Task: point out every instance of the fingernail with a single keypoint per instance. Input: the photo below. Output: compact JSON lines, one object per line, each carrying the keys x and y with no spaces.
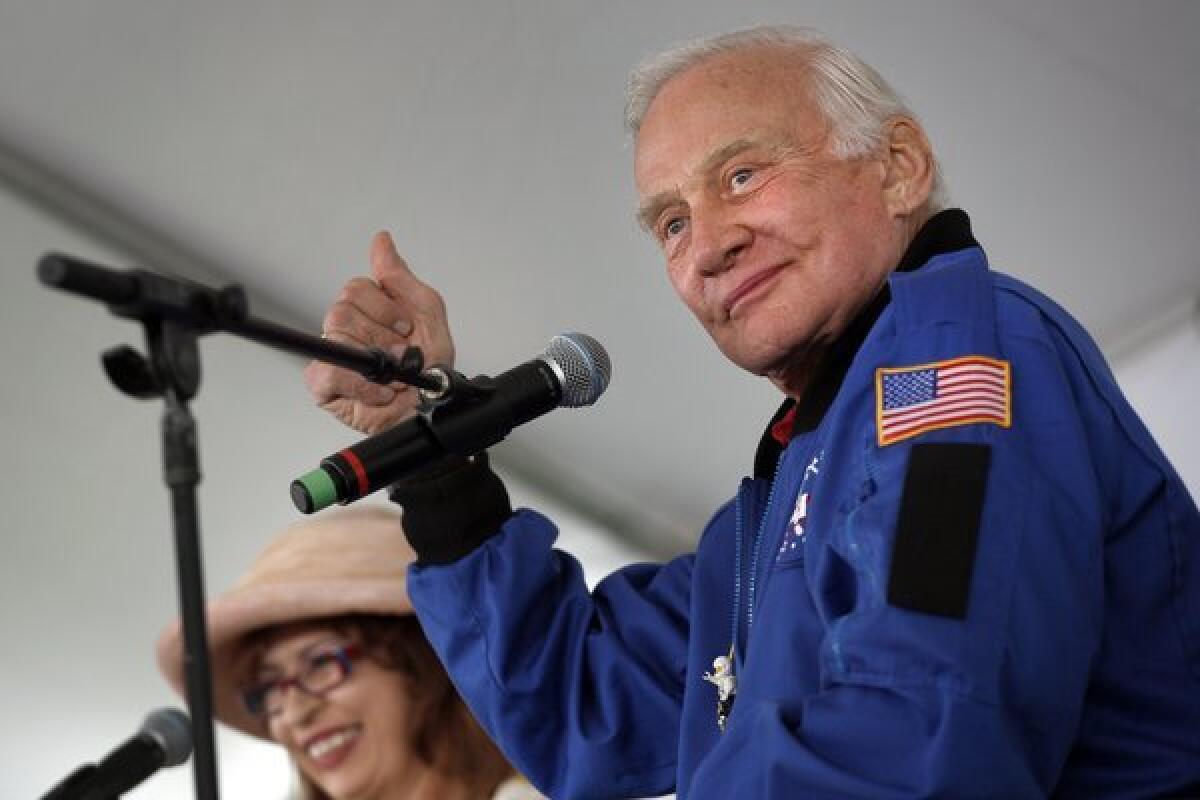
{"x":403,"y":327}
{"x":382,"y":395}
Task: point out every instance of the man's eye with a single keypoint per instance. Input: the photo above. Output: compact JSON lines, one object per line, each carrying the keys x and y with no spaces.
{"x":740,"y":177}
{"x":673,"y":227}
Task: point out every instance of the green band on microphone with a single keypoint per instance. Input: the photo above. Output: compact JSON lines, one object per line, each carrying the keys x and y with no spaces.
{"x":314,"y":491}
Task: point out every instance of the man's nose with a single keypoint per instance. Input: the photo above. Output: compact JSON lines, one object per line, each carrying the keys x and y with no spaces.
{"x":717,"y":238}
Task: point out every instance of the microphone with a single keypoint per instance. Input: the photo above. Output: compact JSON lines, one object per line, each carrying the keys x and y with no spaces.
{"x":164,"y":740}
{"x":573,"y":371}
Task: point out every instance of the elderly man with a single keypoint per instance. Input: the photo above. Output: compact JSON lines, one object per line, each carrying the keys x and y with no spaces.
{"x":962,"y":568}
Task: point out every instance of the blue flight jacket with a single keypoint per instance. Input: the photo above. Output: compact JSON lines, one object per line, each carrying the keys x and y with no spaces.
{"x":1072,"y":670}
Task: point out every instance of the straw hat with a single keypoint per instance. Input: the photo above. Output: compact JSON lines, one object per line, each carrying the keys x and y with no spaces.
{"x":346,"y":561}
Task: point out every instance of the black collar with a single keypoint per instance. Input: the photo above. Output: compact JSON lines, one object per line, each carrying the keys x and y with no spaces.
{"x":945,"y":232}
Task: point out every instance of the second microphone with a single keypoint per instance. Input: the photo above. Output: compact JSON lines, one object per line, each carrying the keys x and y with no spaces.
{"x":574,"y":371}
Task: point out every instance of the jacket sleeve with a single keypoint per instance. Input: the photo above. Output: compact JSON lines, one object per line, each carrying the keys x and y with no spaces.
{"x":582,"y":691}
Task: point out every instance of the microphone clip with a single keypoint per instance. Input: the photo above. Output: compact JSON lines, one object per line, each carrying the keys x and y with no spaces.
{"x":453,"y":387}
{"x":450,"y":415}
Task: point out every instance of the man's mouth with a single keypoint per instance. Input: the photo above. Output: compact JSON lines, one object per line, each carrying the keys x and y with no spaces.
{"x":749,"y":287}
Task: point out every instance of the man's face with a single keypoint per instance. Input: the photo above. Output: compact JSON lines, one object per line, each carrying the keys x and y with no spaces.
{"x":771,"y":241}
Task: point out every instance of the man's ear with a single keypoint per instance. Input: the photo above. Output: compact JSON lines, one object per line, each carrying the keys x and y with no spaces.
{"x":909,"y":166}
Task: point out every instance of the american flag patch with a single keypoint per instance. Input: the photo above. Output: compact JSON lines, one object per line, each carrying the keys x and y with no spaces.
{"x":945,"y":394}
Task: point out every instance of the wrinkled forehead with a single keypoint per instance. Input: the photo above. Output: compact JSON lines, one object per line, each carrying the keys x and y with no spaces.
{"x":752,"y":96}
{"x":768,"y":70}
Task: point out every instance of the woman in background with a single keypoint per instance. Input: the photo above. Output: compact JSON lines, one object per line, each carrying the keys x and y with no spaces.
{"x":316,"y":649}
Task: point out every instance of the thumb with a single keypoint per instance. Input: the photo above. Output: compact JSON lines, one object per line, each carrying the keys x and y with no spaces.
{"x":388,"y":268}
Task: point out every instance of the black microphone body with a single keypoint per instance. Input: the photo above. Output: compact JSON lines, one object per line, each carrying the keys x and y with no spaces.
{"x":459,"y":428}
{"x":462,"y":427}
{"x":523,"y":393}
{"x":124,"y":768}
{"x":164,"y":740}
{"x":73,"y":787}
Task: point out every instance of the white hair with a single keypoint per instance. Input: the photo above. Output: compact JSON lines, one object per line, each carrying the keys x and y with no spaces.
{"x":854,"y":99}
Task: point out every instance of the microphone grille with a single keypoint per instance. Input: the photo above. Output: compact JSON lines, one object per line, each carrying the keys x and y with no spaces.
{"x":172,"y":730}
{"x":584,"y":366}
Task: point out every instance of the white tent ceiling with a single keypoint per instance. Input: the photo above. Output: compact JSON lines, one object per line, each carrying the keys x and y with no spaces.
{"x":264,"y":142}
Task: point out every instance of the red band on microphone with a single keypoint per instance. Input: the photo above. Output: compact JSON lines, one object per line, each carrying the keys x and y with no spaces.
{"x":360,"y":472}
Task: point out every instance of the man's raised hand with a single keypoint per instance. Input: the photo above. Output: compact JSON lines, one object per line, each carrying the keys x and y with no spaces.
{"x":391,"y":310}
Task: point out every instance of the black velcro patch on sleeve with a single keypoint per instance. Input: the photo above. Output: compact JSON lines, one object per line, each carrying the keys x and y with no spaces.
{"x":938,"y":528}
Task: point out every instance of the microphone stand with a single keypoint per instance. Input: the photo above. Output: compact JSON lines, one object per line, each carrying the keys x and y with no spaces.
{"x":174,"y":314}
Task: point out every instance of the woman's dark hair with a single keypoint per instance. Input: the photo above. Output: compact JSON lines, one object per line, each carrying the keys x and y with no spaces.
{"x":441,"y":732}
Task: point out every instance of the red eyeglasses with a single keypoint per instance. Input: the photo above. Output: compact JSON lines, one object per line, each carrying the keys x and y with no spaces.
{"x":326,"y":669}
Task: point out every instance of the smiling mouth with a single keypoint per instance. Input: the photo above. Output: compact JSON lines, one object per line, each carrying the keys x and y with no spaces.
{"x":749,"y":287}
{"x":326,"y":751}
